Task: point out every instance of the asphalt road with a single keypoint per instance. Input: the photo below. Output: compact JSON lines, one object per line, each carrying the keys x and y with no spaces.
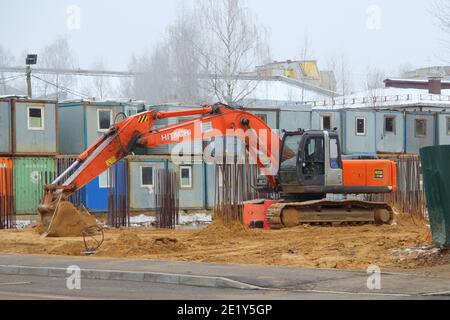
{"x":279,"y":283}
{"x":37,"y":288}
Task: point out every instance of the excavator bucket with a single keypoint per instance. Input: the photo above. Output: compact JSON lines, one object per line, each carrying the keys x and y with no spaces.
{"x":60,"y":218}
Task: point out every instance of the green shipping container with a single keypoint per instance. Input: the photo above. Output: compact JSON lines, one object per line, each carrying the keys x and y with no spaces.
{"x":436,"y":179}
{"x":31,"y":174}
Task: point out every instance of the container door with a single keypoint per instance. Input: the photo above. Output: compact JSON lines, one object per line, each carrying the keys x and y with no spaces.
{"x":31,"y":174}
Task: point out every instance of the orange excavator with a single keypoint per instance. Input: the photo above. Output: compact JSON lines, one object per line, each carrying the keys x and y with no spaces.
{"x":302,"y":167}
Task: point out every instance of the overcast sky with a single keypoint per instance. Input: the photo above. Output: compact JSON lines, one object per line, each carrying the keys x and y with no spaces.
{"x":385,"y":33}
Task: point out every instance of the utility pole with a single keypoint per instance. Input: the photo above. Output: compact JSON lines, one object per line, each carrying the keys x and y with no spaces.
{"x":30,"y":60}
{"x":29,"y":89}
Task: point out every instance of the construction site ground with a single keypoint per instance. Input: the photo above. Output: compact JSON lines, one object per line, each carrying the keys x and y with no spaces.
{"x":404,"y":245}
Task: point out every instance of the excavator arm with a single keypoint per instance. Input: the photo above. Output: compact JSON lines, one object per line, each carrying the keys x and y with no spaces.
{"x":137,"y":131}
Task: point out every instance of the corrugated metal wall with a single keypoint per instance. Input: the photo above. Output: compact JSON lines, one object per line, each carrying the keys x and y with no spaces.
{"x":36,"y":141}
{"x":7,"y":207}
{"x":5,"y":127}
{"x":31,"y":174}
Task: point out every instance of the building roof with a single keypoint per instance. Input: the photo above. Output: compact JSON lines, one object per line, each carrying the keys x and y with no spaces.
{"x":282,"y":88}
{"x":111,"y":103}
{"x":387,"y":98}
{"x":275,"y":105}
{"x":22,"y":98}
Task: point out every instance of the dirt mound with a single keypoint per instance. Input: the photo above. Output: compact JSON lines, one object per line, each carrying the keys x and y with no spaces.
{"x":68,"y":222}
{"x":129,"y":244}
{"x":69,"y":249}
{"x":218,"y":229}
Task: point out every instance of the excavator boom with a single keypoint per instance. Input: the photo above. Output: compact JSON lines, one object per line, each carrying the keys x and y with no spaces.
{"x":138,"y":131}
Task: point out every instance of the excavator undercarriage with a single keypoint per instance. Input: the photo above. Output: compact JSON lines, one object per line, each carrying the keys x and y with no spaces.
{"x":326,"y":212}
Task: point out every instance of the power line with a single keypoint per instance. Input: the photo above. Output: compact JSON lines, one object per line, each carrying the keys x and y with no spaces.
{"x":77,"y":72}
{"x":75,"y":93}
{"x":9,"y":79}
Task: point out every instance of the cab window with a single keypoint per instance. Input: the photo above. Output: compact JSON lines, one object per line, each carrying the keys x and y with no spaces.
{"x":335,"y":162}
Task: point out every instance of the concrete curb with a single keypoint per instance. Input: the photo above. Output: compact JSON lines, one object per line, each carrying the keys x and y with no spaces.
{"x":119,"y":275}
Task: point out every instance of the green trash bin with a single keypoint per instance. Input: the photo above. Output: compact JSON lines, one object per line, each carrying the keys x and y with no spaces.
{"x":436,"y":179}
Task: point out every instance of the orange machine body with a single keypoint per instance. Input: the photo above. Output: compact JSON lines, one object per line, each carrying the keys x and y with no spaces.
{"x":370,"y":173}
{"x":6,"y":177}
{"x":257,"y":211}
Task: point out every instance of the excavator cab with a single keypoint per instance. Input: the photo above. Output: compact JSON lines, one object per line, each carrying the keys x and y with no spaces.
{"x":311,"y":158}
{"x":310,"y":161}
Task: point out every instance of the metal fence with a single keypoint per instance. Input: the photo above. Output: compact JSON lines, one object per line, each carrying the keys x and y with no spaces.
{"x":62,"y":164}
{"x":410,"y":196}
{"x":167,"y":198}
{"x":235,"y":183}
{"x":118,"y":195}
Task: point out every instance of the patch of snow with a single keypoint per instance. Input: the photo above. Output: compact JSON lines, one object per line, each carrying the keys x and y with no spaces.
{"x":20,"y":224}
{"x":142,"y":220}
{"x":195,"y":218}
{"x":416,"y":252}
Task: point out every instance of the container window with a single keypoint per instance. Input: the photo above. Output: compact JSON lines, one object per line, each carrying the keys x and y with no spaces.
{"x":389,"y":124}
{"x":103,"y":180}
{"x":361,"y":126}
{"x":35,"y":118}
{"x":448,"y":126}
{"x":104,"y":119}
{"x":421,"y":127}
{"x":147,"y":177}
{"x":130,"y":111}
{"x":263,"y":117}
{"x":186,"y":177}
{"x":325,"y":123}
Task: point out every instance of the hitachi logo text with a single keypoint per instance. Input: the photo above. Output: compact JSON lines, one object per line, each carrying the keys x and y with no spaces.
{"x":175,"y":136}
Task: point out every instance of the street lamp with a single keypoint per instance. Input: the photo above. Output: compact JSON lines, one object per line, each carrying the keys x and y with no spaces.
{"x":29,"y":61}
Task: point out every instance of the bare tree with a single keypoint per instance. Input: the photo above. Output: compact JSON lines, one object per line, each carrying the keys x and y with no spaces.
{"x":332,"y":65}
{"x":374,"y":84}
{"x":344,"y":75}
{"x":305,"y":54}
{"x":183,"y":40}
{"x":154,"y":80}
{"x":99,"y":87}
{"x":232,"y":42}
{"x":6,"y":59}
{"x":339,"y":65}
{"x":403,"y":69}
{"x":169,"y":71}
{"x":56,"y":56}
{"x":441,"y":12}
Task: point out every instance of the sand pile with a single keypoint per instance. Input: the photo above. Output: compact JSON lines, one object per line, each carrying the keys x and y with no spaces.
{"x":129,"y":244}
{"x":75,"y":248}
{"x":68,"y":222}
{"x":219,"y":230}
